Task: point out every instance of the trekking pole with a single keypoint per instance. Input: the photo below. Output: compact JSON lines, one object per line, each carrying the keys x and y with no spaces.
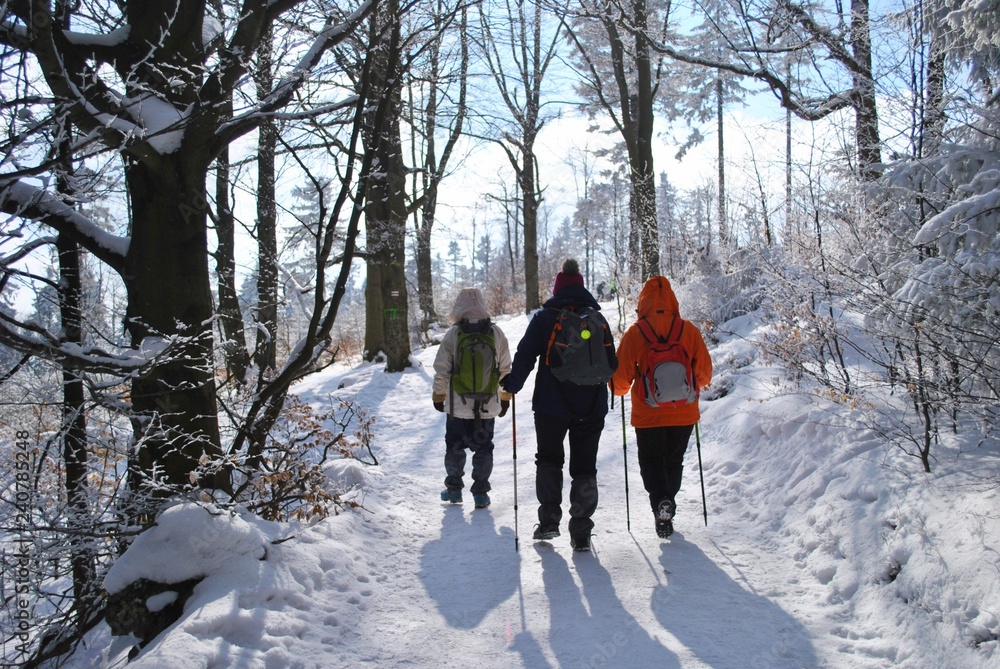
{"x":701,"y":474}
{"x":628,"y":514}
{"x":513,"y":429}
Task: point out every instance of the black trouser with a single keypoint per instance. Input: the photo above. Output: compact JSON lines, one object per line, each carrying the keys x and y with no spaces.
{"x":584,"y":438}
{"x":661,"y":460}
{"x":461,"y":434}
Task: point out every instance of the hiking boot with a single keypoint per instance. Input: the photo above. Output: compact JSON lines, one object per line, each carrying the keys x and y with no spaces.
{"x":482,"y":501}
{"x":664,"y":518}
{"x":451,"y":495}
{"x":580,"y":542}
{"x":545,"y":533}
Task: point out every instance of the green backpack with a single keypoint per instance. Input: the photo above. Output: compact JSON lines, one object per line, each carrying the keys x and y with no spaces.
{"x":475,"y":375}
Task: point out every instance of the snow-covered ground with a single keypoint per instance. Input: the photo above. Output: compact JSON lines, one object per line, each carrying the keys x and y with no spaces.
{"x":823,"y":548}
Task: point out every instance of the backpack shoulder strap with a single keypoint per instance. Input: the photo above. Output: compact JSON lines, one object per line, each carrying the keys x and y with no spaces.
{"x":556,"y":327}
{"x":676,"y":327}
{"x":647,"y":330}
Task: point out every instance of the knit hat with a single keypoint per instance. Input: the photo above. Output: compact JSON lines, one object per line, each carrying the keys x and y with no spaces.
{"x":569,"y":276}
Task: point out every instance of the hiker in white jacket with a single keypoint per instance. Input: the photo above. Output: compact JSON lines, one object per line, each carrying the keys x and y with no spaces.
{"x":469,"y":393}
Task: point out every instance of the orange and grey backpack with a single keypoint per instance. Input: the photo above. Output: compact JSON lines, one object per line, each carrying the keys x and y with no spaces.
{"x":666,"y":374}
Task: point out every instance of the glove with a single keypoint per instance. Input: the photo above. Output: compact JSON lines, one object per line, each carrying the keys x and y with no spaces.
{"x":504,"y":383}
{"x":439,"y":406}
{"x":504,"y":405}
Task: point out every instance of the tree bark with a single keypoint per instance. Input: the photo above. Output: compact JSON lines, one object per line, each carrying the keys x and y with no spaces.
{"x":230,"y":315}
{"x":74,"y":418}
{"x":169,"y":296}
{"x":425,"y":269}
{"x":645,"y":183}
{"x":75,"y":453}
{"x":934,"y":116}
{"x":720,"y":128}
{"x":790,"y":230}
{"x":529,"y":207}
{"x":266,"y":349}
{"x":386,"y":309}
{"x":866,"y":112}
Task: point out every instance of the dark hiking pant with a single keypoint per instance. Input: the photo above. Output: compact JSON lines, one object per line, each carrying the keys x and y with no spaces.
{"x":461,"y":434}
{"x":661,"y":460}
{"x":584,"y":437}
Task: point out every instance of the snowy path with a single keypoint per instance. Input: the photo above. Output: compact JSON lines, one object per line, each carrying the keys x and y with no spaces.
{"x":453,"y":592}
{"x":793,"y":570}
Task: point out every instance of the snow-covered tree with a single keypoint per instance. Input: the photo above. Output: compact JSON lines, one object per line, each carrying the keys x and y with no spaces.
{"x":621,"y":78}
{"x":150,"y":81}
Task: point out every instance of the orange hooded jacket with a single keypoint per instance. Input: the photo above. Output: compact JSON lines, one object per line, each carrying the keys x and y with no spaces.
{"x":658,"y":305}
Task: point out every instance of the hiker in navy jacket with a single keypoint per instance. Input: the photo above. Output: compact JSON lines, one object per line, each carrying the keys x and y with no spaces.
{"x":561,"y":408}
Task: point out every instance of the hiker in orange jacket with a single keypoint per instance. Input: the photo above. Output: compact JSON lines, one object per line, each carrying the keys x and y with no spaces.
{"x":661,"y":432}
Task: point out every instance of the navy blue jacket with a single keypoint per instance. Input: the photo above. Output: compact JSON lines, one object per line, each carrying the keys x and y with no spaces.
{"x":552,"y":396}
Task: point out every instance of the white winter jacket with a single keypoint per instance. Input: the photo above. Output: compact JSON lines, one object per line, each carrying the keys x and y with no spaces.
{"x":470,"y":305}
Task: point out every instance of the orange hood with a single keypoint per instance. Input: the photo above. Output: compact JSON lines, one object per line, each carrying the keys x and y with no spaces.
{"x":657,"y":302}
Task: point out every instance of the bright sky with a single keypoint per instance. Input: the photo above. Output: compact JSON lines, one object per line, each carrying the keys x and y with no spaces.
{"x":754,"y":140}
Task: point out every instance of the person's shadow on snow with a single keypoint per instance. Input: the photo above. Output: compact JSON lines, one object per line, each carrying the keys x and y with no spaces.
{"x":588,"y":625}
{"x":471,"y":569}
{"x":721,"y":621}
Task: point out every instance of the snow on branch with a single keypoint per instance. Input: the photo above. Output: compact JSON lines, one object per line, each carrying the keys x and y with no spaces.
{"x":114,"y":38}
{"x":331,"y":35}
{"x":32,"y":339}
{"x":26,"y":201}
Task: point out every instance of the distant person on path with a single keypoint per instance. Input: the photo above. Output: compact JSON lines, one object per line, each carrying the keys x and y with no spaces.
{"x":612,"y":291}
{"x":663,"y":415}
{"x":600,"y":291}
{"x":562,"y":406}
{"x":472,"y":358}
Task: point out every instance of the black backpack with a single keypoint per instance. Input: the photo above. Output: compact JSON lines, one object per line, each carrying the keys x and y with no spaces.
{"x":576,"y":351}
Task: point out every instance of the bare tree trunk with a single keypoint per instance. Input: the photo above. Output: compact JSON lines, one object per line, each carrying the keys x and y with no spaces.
{"x":644,"y":180}
{"x":789,"y":231}
{"x":386,"y":309}
{"x":425,"y":271}
{"x":435,"y":167}
{"x":723,"y":221}
{"x":934,"y":112}
{"x":266,"y":349}
{"x":931,"y":131}
{"x":532,"y":52}
{"x":174,"y":405}
{"x":530,"y":202}
{"x":74,"y":418}
{"x":866,"y":111}
{"x":166,"y":274}
{"x":636,"y":126}
{"x":230,"y":315}
{"x":75,"y":453}
{"x":526,"y":170}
